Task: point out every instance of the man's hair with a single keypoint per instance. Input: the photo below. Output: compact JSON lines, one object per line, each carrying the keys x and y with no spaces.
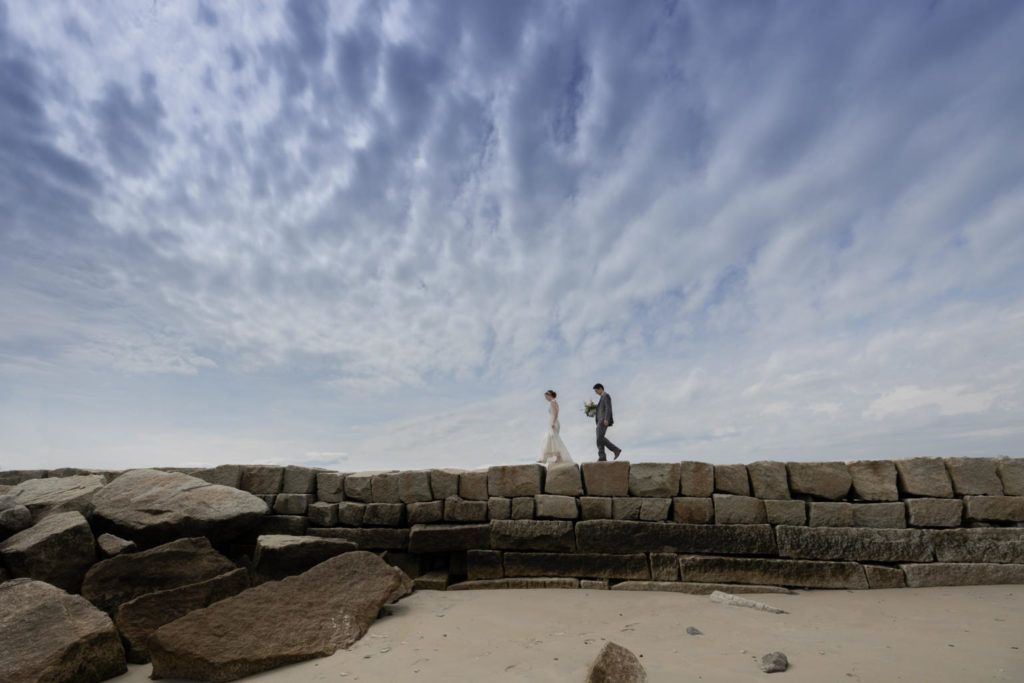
{"x":599,"y":386}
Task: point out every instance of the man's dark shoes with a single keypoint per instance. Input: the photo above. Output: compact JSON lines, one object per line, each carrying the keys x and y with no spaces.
{"x":617,"y":454}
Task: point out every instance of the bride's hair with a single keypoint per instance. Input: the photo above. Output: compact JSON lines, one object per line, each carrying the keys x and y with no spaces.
{"x":551,"y":393}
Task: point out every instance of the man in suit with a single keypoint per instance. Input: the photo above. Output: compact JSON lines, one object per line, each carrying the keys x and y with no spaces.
{"x":604,"y":420}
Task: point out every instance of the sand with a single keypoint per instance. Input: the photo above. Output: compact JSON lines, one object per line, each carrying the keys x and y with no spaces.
{"x":962,"y":634}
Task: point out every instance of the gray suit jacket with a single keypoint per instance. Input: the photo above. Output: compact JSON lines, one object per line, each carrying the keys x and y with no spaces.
{"x":604,"y":410}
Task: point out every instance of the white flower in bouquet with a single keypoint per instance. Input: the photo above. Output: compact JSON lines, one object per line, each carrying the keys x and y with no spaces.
{"x":590,"y":408}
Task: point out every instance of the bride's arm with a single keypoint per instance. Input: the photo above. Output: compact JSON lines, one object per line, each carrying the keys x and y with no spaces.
{"x":554,"y":416}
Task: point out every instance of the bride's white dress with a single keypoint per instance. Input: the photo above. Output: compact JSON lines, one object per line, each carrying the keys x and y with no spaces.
{"x":553,"y":449}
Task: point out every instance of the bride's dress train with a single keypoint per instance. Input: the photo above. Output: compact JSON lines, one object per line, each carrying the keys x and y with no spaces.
{"x":553,"y":449}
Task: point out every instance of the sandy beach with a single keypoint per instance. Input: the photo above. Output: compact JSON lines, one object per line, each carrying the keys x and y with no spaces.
{"x":928,"y":634}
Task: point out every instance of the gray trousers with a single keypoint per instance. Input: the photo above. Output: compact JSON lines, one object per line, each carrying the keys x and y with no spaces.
{"x":603,"y":442}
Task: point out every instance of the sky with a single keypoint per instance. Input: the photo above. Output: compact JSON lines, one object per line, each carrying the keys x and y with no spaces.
{"x":371,"y":235}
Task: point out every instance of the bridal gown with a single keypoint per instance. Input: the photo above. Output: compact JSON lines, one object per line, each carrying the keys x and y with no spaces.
{"x":553,"y":450}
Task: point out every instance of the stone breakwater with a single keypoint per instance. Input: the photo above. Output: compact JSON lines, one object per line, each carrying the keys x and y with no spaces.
{"x":684,"y":526}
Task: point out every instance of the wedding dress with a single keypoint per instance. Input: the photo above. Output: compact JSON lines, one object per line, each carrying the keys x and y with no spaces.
{"x":553,"y":450}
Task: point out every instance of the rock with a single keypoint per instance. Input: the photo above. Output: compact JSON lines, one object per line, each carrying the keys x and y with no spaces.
{"x":692,"y":631}
{"x":734,"y":601}
{"x":774,"y":662}
{"x":732,"y":479}
{"x":760,"y":570}
{"x":731,"y":509}
{"x":522,"y":507}
{"x":606,"y":478}
{"x":279,"y":556}
{"x":299,"y":479}
{"x":383,"y":514}
{"x":545,"y":536}
{"x":664,"y":566}
{"x":436,"y":580}
{"x":137,"y":619}
{"x":859,"y":545}
{"x":934,"y":512}
{"x":446,"y":538}
{"x":289,"y":525}
{"x":829,"y":480}
{"x":696,"y":588}
{"x":998,"y":545}
{"x":696,"y":479}
{"x":125,"y":577}
{"x":591,"y":566}
{"x":411,"y":563}
{"x":111,"y":545}
{"x":458,"y":510}
{"x":768,"y":480}
{"x":923,"y":477}
{"x":444,"y":483}
{"x":428,"y":512}
{"x":563,"y":479}
{"x":880,"y":515}
{"x":974,"y":476}
{"x":67,"y":494}
{"x":330,"y":487}
{"x":626,"y":507}
{"x":962,"y":574}
{"x":323,"y":514}
{"x":655,"y":509}
{"x":874,"y":479}
{"x":414,"y":487}
{"x":15,"y":477}
{"x":595,"y":507}
{"x":58,"y":550}
{"x":1011,"y":472}
{"x":654,"y":479}
{"x":594,"y":584}
{"x":829,"y":514}
{"x":310,"y":615}
{"x":791,"y":512}
{"x":530,"y":583}
{"x":293,"y":503}
{"x":359,"y":486}
{"x":265,"y":479}
{"x":484,"y":564}
{"x":49,"y":635}
{"x":515,"y":480}
{"x":351,"y":513}
{"x":473,"y":485}
{"x":693,"y":510}
{"x":616,"y":664}
{"x":14,"y":519}
{"x":880,"y":576}
{"x":994,"y":508}
{"x":223,"y":475}
{"x":614,"y":536}
{"x":499,"y":508}
{"x":368,"y":539}
{"x":548,"y":506}
{"x":152,"y":507}
{"x":384,"y":487}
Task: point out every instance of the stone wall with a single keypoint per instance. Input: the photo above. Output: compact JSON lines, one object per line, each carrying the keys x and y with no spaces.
{"x":685,"y":526}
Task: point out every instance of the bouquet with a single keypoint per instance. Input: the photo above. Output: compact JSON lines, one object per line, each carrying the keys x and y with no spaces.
{"x":590,"y":408}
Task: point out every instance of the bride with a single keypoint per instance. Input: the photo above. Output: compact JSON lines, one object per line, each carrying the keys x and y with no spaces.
{"x":554,"y":450}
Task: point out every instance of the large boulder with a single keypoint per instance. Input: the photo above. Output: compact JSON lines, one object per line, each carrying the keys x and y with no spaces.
{"x":66,"y":494}
{"x":58,"y":550}
{"x":152,"y":507}
{"x":137,"y":619}
{"x":828,"y":480}
{"x":301,"y":617}
{"x":278,"y":556}
{"x":14,"y":519}
{"x":621,"y":536}
{"x":616,"y":664}
{"x":50,"y":635}
{"x":178,"y":563}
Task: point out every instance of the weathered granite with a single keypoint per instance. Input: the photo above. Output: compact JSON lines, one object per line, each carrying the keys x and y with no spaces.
{"x":595,"y":507}
{"x":49,"y":635}
{"x":962,"y":574}
{"x":437,"y":538}
{"x":880,"y":515}
{"x":539,"y":535}
{"x":564,"y":479}
{"x":615,"y":536}
{"x":606,"y":478}
{"x":484,"y":564}
{"x":14,"y":519}
{"x":697,"y":588}
{"x":1011,"y":472}
{"x":509,"y":481}
{"x":351,"y":513}
{"x":591,"y":566}
{"x":293,"y":525}
{"x":279,"y":556}
{"x":323,"y":514}
{"x":293,"y":503}
{"x":829,"y":514}
{"x":265,"y":479}
{"x":547,"y":506}
{"x":444,"y":483}
{"x":880,"y":576}
{"x":859,"y":545}
{"x":522,"y":507}
{"x":769,"y":480}
{"x":995,"y":545}
{"x":874,"y":480}
{"x":378,"y":538}
{"x":732,"y":479}
{"x":66,"y":494}
{"x":499,"y":508}
{"x":616,"y":664}
{"x":111,"y":545}
{"x":828,"y":480}
{"x":330,"y":486}
{"x":696,"y":478}
{"x":693,"y":510}
{"x":459,"y":510}
{"x":626,"y":508}
{"x":994,"y":508}
{"x":664,"y":566}
{"x":923,"y":477}
{"x":427,"y":512}
{"x":383,"y":514}
{"x":655,"y":509}
{"x":59,"y":550}
{"x":759,"y":570}
{"x":974,"y":476}
{"x":529,"y":583}
{"x":223,"y":475}
{"x":298,"y":479}
{"x":414,"y":487}
{"x":791,"y":512}
{"x":473,"y":485}
{"x":654,"y":479}
{"x":934,"y":512}
{"x":358,"y":486}
{"x":730,"y":509}
{"x":384,"y":488}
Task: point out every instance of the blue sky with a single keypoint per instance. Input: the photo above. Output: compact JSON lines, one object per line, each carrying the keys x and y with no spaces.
{"x":370,"y":235}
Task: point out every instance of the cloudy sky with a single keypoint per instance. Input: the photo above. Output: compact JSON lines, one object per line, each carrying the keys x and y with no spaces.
{"x":371,"y":235}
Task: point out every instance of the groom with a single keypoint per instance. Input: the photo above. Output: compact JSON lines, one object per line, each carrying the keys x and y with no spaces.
{"x":604,"y":421}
